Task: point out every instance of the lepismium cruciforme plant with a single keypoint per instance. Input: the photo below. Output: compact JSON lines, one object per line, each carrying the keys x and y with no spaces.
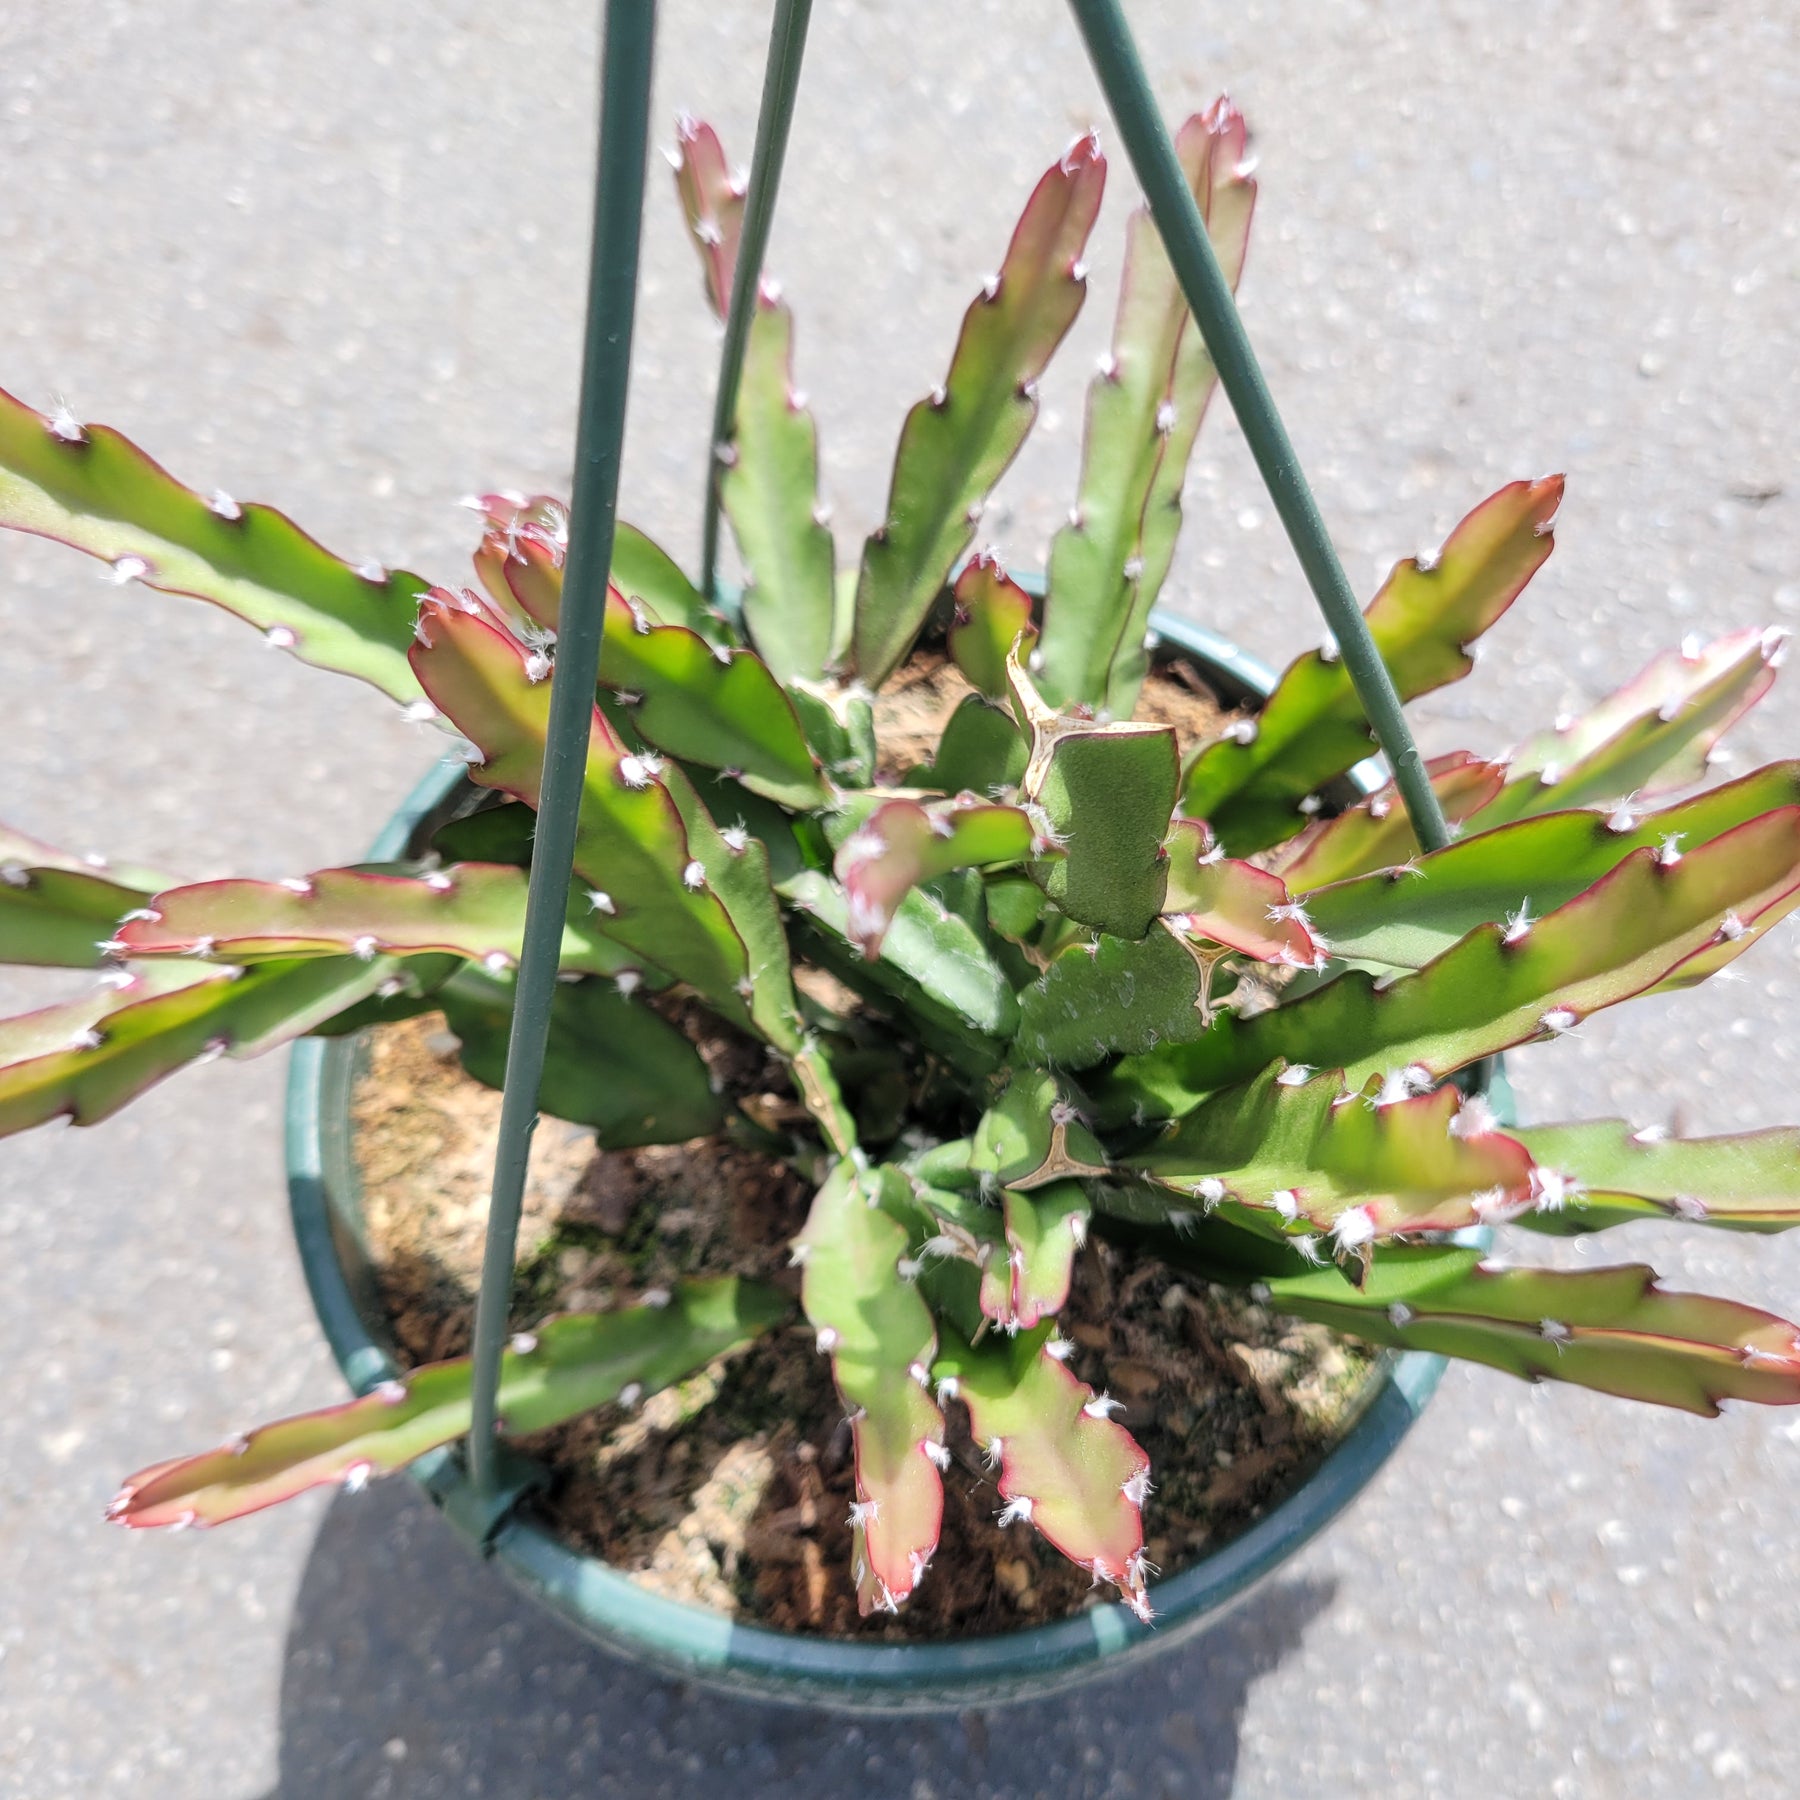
{"x":1050,"y":934}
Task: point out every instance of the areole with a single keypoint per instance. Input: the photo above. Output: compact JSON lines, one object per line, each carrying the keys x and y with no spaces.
{"x":700,"y":1645}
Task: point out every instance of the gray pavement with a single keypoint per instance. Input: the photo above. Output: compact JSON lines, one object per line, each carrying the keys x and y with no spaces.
{"x":330,"y":255}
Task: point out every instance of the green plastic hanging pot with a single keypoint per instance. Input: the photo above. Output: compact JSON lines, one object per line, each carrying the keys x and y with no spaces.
{"x":699,"y":1645}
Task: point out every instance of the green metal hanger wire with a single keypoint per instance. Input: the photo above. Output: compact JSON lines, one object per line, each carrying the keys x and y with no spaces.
{"x":626,"y":58}
{"x":626,"y":61}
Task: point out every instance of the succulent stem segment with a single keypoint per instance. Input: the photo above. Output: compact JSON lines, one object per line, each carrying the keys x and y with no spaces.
{"x":1251,"y":787}
{"x":1610,"y":1329}
{"x":92,"y":488}
{"x":565,"y":1367}
{"x":880,"y":1337}
{"x":1065,"y":1468}
{"x":958,"y":442}
{"x":1144,"y":411}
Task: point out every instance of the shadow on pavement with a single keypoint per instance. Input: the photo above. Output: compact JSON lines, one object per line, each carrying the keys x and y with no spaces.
{"x":412,"y":1671}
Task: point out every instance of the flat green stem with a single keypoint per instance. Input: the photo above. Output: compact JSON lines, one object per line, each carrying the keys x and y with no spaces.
{"x":781,"y":81}
{"x":1116,"y":62}
{"x":606,"y":367}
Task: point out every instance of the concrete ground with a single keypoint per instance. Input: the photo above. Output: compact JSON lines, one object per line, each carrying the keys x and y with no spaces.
{"x":331,"y":255}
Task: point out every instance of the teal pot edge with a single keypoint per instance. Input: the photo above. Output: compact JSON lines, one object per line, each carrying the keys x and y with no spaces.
{"x":693,"y":1643}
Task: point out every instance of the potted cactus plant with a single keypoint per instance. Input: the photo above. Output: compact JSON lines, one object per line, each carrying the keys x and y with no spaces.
{"x":1048,"y":977}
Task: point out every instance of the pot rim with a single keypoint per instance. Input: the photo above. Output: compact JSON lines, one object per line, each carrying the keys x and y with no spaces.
{"x":695,"y":1643}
